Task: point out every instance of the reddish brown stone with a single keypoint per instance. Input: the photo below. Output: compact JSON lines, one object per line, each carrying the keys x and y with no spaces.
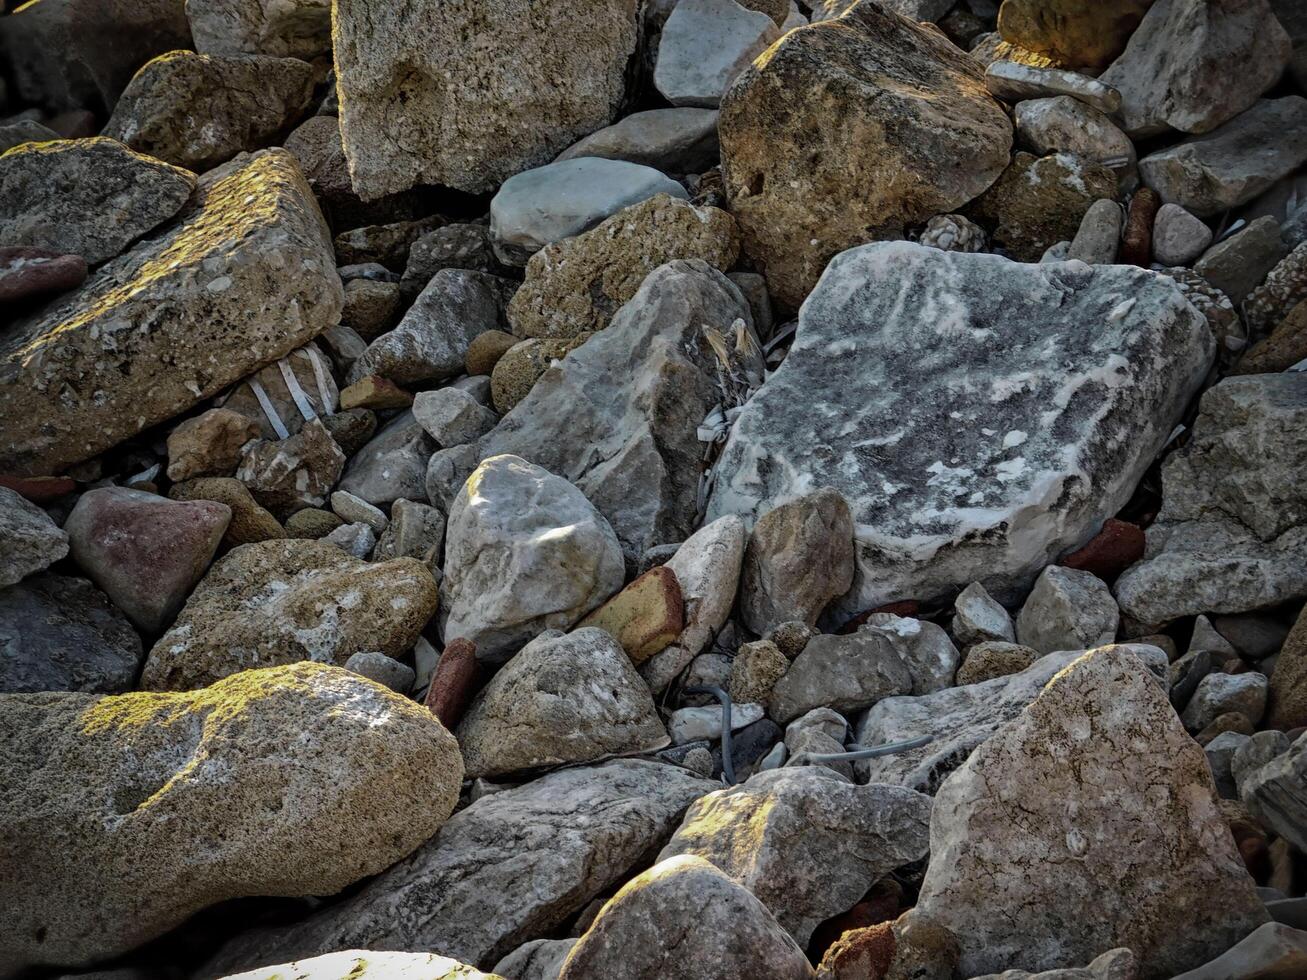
{"x":1109,"y":552}
{"x":1137,"y":242}
{"x":376,"y":393}
{"x":645,"y":617}
{"x":26,"y":272}
{"x":454,"y":683}
{"x":39,"y":489}
{"x":860,"y":954}
{"x":882,"y":904}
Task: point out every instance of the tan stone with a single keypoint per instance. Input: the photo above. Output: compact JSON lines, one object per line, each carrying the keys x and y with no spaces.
{"x":375,"y":393}
{"x":209,"y":444}
{"x":577,"y":284}
{"x":371,"y":307}
{"x":486,"y":349}
{"x":1285,"y":347}
{"x":127,"y":814}
{"x":311,"y":522}
{"x":985,"y":661}
{"x":754,"y":672}
{"x":1286,"y":705}
{"x":645,"y":616}
{"x":517,"y":371}
{"x":249,"y":521}
{"x":1072,"y":32}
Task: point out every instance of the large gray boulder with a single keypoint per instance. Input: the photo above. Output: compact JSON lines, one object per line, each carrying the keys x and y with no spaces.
{"x":300,"y":780}
{"x":1059,"y":384}
{"x":525,"y":551}
{"x":511,"y":867}
{"x":480,"y":91}
{"x":281,"y":28}
{"x":618,"y":417}
{"x":805,"y":841}
{"x":1087,"y":823}
{"x":90,"y":197}
{"x":562,"y":699}
{"x":1233,"y":523}
{"x":245,"y":276}
{"x":703,"y":45}
{"x":29,"y":540}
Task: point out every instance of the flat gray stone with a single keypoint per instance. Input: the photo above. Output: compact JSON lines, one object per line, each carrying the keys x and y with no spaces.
{"x":680,"y":140}
{"x":1276,"y":791}
{"x":704,"y":45}
{"x":1239,"y":264}
{"x":1015,"y":82}
{"x":1066,"y":125}
{"x":1179,"y":237}
{"x":1067,"y":610}
{"x":31,"y":541}
{"x":392,"y":465}
{"x":846,"y":673}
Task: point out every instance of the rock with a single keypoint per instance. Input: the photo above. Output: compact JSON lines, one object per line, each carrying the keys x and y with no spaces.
{"x":311,"y":523}
{"x":704,"y":723}
{"x":619,"y":416}
{"x":294,"y":29}
{"x":846,"y":673}
{"x":1039,"y":201}
{"x":561,"y":700}
{"x":249,"y":521}
{"x":704,"y":45}
{"x":21,"y":131}
{"x":1233,"y":163}
{"x":416,"y":530}
{"x":994,"y":658}
{"x":707,"y":568}
{"x":1115,"y":964}
{"x":311,"y":778}
{"x":1286,"y":706}
{"x":454,"y":682}
{"x":1176,"y":71}
{"x":1220,"y":753}
{"x":539,"y":959}
{"x":755,"y":670}
{"x":373,"y":392}
{"x":91,"y":197}
{"x":383,"y":244}
{"x":281,"y":397}
{"x":791,"y":638}
{"x":576,"y":285}
{"x":355,"y":510}
{"x":393,"y":69}
{"x":1137,"y":239}
{"x":522,"y":365}
{"x":198,"y":111}
{"x":392,"y":465}
{"x":251,"y":249}
{"x":722,"y":930}
{"x":293,"y":473}
{"x":1220,"y":693}
{"x":1096,"y":240}
{"x":455,"y":246}
{"x":355,"y":539}
{"x":366,"y":964}
{"x":959,"y":719}
{"x":914,"y":10}
{"x":806,"y":843}
{"x":1084,"y":36}
{"x":676,"y":141}
{"x":923,"y":647}
{"x":30,"y":540}
{"x":452,"y":417}
{"x":209,"y":444}
{"x":1273,"y":791}
{"x":1067,"y":610}
{"x":1229,"y":332}
{"x":1270,"y":950}
{"x":645,"y":617}
{"x":1066,"y":125}
{"x":1239,"y":264}
{"x":1024,"y":840}
{"x":385,"y":670}
{"x":1232,"y":516}
{"x":527,"y":847}
{"x":1178,"y":237}
{"x":1252,"y":755}
{"x":1014,"y":82}
{"x":525,"y":551}
{"x":541,"y":206}
{"x":1284,"y":288}
{"x":896,"y":103}
{"x":31,"y":272}
{"x":73,"y":54}
{"x":485,"y":351}
{"x":278,"y":602}
{"x":953,"y":233}
{"x":977,"y":618}
{"x":62,"y":634}
{"x":990,"y":497}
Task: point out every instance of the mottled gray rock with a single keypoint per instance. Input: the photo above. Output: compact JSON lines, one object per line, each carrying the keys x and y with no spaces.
{"x":447,"y":471}
{"x":478,"y":94}
{"x":1026,"y":838}
{"x":994,"y":658}
{"x":1067,"y":610}
{"x":1194,"y":64}
{"x":63,"y":634}
{"x":1272,"y":950}
{"x":281,"y":28}
{"x":22,"y":131}
{"x":1233,"y":163}
{"x":721,"y":931}
{"x":1220,"y":756}
{"x":1067,"y":125}
{"x":704,"y":44}
{"x":705,"y":722}
{"x":1234,"y":513}
{"x":357,"y":540}
{"x":1115,"y":964}
{"x":566,"y":198}
{"x":1015,"y":82}
{"x":513,"y":866}
{"x":392,"y":465}
{"x":90,"y":197}
{"x":416,"y":530}
{"x":1275,"y":791}
{"x":291,"y":474}
{"x":619,"y":416}
{"x":953,"y":233}
{"x":384,"y":669}
{"x":1219,"y":693}
{"x":1178,"y":237}
{"x":1097,"y":238}
{"x":845,"y":673}
{"x":562,"y":699}
{"x":1284,"y":288}
{"x":978,"y":618}
{"x":454,"y":246}
{"x":806,"y":843}
{"x":452,"y":416}
{"x":525,"y":551}
{"x":1036,"y":452}
{"x":356,"y":510}
{"x":1239,"y":264}
{"x":540,"y":959}
{"x":676,"y":141}
{"x":29,"y":540}
{"x":1248,"y":759}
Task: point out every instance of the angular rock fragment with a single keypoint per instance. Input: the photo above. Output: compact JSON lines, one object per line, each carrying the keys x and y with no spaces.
{"x":846,"y":673}
{"x":645,"y":617}
{"x":295,"y":473}
{"x":977,"y":618}
{"x":392,"y":464}
{"x":704,"y":44}
{"x":1067,"y":610}
{"x":29,"y":540}
{"x":280,"y":28}
{"x":675,"y":141}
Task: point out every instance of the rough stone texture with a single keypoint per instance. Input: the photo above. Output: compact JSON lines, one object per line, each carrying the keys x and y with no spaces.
{"x":721,"y":931}
{"x":1067,"y":610}
{"x":1178,"y":237}
{"x":1036,"y":451}
{"x":1219,"y":693}
{"x":1078,"y":34}
{"x":1014,"y":82}
{"x":478,"y":94}
{"x":1115,"y":964}
{"x":562,"y":699}
{"x":525,"y":551}
{"x":416,"y":530}
{"x":1177,"y":72}
{"x":485,"y":351}
{"x":870,"y":93}
{"x":1099,"y":234}
{"x":923,"y":647}
{"x":978,"y":618}
{"x":959,"y":718}
{"x":806,"y":843}
{"x":62,"y":634}
{"x":1285,"y":287}
{"x":704,"y":44}
{"x":1066,"y":125}
{"x":994,"y":658}
{"x":1269,"y":952}
{"x":366,"y":964}
{"x":392,"y":465}
{"x":1234,"y":163}
{"x":619,"y":416}
{"x":1026,"y":837}
{"x":90,"y":197}
{"x":145,"y":551}
{"x":249,"y":521}
{"x":198,"y":111}
{"x":577,"y":284}
{"x":280,"y":28}
{"x":209,"y":444}
{"x":26,"y":273}
{"x":452,"y":417}
{"x":1237,"y":265}
{"x":300,"y":779}
{"x":846,"y":673}
{"x":518,"y":370}
{"x":1286,"y":705}
{"x":29,"y":540}
{"x":454,"y":681}
{"x":295,"y":473}
{"x":539,"y":959}
{"x":1234,"y":515}
{"x":245,"y":276}
{"x":386,"y":671}
{"x":676,"y":141}
{"x":20,"y":131}
{"x":1273,"y":791}
{"x":512,"y":866}
{"x":278,"y":602}
{"x":645,"y":617}
{"x":755,"y":670}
